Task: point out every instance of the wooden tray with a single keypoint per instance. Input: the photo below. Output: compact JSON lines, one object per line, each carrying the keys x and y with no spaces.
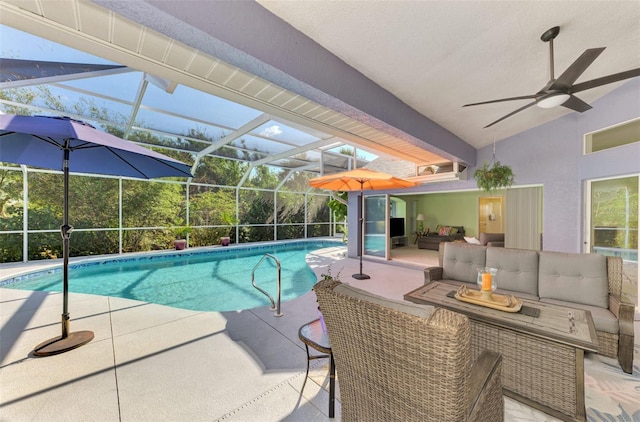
{"x":492,"y":300}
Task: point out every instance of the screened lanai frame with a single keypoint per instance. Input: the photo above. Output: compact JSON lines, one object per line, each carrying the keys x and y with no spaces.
{"x":127,"y":102}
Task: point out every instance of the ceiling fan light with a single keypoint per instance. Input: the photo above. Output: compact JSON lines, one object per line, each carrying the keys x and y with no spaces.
{"x":553,"y":100}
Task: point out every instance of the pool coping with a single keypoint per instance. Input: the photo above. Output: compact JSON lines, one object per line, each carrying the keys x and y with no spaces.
{"x":78,"y":262}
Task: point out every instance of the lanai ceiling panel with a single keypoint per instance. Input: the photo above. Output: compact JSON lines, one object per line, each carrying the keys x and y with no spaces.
{"x":147,"y":44}
{"x":178,"y":56}
{"x":253,"y":87}
{"x":98,"y":28}
{"x":201,"y":65}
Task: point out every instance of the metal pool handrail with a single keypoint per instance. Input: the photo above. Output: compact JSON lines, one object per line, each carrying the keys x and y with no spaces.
{"x":253,"y":282}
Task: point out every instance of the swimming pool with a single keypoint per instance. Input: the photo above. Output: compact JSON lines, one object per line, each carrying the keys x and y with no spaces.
{"x":211,"y":280}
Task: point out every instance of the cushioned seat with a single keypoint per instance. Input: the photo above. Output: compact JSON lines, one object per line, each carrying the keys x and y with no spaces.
{"x":398,"y":361}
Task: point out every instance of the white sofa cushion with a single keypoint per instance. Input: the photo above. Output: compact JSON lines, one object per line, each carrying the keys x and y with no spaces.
{"x":578,"y":278}
{"x":517,"y":269}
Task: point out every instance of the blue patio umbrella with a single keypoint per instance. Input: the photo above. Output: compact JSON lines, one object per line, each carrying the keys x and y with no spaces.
{"x":65,"y":144}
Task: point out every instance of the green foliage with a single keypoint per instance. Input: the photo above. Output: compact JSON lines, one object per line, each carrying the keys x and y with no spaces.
{"x":492,"y":178}
{"x":181,"y":232}
{"x":329,"y":276}
{"x":339,"y":208}
{"x":10,"y":197}
{"x":19,"y":96}
{"x":150,"y":209}
{"x":614,"y":213}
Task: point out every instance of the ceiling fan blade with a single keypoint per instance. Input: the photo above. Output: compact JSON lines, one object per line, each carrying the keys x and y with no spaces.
{"x":616,"y":77}
{"x":576,"y":104}
{"x":577,"y":68}
{"x":524,"y":97}
{"x":510,"y":114}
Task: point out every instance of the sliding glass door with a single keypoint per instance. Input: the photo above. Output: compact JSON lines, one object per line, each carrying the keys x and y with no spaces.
{"x":612,"y":215}
{"x":613,"y":225}
{"x":376,"y":215}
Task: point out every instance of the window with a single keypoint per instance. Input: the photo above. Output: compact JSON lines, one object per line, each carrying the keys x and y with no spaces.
{"x":622,"y":134}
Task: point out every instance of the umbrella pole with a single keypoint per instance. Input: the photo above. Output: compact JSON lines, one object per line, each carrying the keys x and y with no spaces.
{"x":67,"y":341}
{"x":360,"y":275}
{"x":65,"y":232}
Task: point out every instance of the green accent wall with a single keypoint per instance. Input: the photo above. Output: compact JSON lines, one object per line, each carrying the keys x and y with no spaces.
{"x":450,"y":209}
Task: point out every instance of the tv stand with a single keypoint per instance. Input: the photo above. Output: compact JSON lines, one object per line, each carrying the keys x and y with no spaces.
{"x":399,"y":241}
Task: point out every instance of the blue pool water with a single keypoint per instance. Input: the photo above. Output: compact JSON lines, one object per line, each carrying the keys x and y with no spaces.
{"x":215,"y":280}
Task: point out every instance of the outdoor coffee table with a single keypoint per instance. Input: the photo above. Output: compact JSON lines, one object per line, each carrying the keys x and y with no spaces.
{"x":543,"y":354}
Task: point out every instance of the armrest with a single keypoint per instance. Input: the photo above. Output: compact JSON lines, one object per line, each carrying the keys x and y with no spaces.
{"x":485,"y":388}
{"x":432,"y":274}
{"x":615,"y":305}
{"x":496,"y":244}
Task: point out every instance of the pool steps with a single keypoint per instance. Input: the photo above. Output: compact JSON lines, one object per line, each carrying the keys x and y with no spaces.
{"x":274,"y":306}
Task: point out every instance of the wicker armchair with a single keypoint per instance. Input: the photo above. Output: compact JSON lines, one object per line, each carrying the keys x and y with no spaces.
{"x":397,"y":361}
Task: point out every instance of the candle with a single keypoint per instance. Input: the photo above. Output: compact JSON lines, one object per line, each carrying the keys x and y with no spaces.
{"x":486,"y":281}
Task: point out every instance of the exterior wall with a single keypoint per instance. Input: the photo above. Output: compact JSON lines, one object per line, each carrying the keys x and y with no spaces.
{"x":551,"y":155}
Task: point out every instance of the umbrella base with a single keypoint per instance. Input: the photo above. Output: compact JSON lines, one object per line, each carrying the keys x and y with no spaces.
{"x":59,"y":345}
{"x":361,"y":276}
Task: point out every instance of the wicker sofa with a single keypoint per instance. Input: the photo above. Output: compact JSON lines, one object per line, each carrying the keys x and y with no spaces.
{"x":586,"y":281}
{"x":398,"y":361}
{"x":433,"y":239}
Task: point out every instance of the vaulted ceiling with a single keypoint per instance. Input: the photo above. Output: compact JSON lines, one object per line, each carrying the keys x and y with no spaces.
{"x":438,"y":55}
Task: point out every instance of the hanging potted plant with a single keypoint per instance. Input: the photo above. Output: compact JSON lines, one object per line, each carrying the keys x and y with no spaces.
{"x":493,"y":176}
{"x":181,"y":233}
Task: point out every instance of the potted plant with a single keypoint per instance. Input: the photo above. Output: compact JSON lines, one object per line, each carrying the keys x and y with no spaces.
{"x":181,"y":233}
{"x":493,"y":177}
{"x":231,"y":221}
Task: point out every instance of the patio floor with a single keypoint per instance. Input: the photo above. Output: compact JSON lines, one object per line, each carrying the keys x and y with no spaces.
{"x":152,"y":363}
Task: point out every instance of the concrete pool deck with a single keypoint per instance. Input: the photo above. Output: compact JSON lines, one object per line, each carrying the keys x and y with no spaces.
{"x":155,"y":363}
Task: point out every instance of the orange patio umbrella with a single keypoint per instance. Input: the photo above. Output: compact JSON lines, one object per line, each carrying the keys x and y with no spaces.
{"x":360,"y":180}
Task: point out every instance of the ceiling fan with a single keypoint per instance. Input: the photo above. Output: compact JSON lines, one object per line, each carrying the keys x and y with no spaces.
{"x":560,"y":91}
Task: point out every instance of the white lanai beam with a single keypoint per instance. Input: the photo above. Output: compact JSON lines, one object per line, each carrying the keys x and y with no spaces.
{"x":246,"y":128}
{"x":303,"y":168}
{"x":136,"y":106}
{"x":21,"y":83}
{"x":294,"y":151}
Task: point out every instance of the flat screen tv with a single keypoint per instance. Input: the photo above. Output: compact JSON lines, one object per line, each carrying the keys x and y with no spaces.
{"x":396,"y":227}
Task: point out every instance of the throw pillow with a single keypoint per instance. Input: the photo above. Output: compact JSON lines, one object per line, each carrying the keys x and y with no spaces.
{"x":453,"y":231}
{"x":444,"y":231}
{"x":472,"y":240}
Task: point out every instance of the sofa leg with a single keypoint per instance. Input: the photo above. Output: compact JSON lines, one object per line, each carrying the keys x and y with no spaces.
{"x":625,"y":340}
{"x":625,"y":353}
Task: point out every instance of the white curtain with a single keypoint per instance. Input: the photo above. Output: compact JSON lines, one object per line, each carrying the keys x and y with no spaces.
{"x":523,"y":219}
